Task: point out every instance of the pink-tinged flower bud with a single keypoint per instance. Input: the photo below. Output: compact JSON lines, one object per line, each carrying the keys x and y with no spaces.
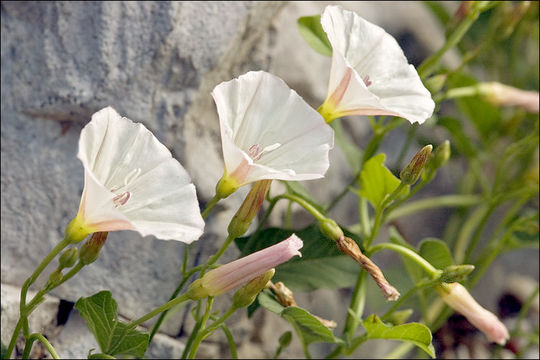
{"x":412,"y":171}
{"x":459,"y":299}
{"x":91,"y":248}
{"x":252,"y":203}
{"x":504,"y":95}
{"x":229,"y":276}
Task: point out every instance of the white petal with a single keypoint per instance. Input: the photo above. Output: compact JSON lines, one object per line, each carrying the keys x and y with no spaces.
{"x":259,"y":109}
{"x":124,"y":158}
{"x":377,"y":59}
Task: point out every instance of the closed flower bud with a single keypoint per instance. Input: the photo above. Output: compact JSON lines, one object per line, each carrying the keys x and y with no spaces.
{"x":244,"y":216}
{"x":438,"y":158}
{"x":196,"y":291}
{"x":91,"y":248}
{"x":285,"y":339}
{"x":244,"y":296}
{"x":412,"y":171}
{"x":455,"y":273}
{"x":504,"y":95}
{"x":435,"y":83}
{"x":69,"y":257}
{"x":54,"y":278}
{"x":331,"y":229}
{"x":459,"y":299}
{"x":234,"y":274}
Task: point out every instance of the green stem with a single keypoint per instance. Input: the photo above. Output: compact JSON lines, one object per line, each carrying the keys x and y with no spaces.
{"x":429,"y":65}
{"x":14,"y":337}
{"x":230,"y":340}
{"x":158,"y":310}
{"x":466,"y":232}
{"x":210,"y":206}
{"x":356,"y":343}
{"x":423,"y":263}
{"x":306,"y":205}
{"x":199,"y":337}
{"x":216,"y":256}
{"x":524,"y":310}
{"x":409,"y":293}
{"x":358,"y":303}
{"x":478,"y":231}
{"x":30,"y":341}
{"x":173,"y":296}
{"x":431,"y":203}
{"x":379,"y":214}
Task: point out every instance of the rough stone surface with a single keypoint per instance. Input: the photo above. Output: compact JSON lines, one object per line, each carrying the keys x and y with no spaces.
{"x":154,"y":62}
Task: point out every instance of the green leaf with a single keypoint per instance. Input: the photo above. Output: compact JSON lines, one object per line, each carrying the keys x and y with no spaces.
{"x":436,"y":252}
{"x":113,"y":337}
{"x":268,"y":301}
{"x":308,"y":327}
{"x":322,"y":265}
{"x":311,"y":30}
{"x":416,"y":333}
{"x":377,"y":182}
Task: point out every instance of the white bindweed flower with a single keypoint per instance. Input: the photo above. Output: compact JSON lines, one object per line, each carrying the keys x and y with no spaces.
{"x":132,"y":182}
{"x":268,"y":132}
{"x":370,"y":75}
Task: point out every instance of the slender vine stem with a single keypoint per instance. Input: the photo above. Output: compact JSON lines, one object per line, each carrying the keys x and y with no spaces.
{"x":430,"y":269}
{"x":30,"y":341}
{"x":198,"y":338}
{"x":230,"y":340}
{"x":158,"y":310}
{"x":210,"y":206}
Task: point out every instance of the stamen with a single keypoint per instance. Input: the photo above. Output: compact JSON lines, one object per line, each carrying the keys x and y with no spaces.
{"x":121,"y":199}
{"x":256,"y":153}
{"x":366,"y":80}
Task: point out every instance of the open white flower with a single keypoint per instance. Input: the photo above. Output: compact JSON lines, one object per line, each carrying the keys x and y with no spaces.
{"x":132,"y":182}
{"x":269,"y":132}
{"x":370,"y":75}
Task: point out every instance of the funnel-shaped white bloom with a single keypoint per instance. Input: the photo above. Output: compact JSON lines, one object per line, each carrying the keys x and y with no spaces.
{"x":269,"y":132}
{"x":132,"y":182}
{"x":370,"y":75}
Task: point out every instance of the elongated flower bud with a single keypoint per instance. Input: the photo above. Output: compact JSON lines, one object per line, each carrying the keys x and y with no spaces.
{"x":504,"y":95}
{"x":91,"y":248}
{"x":459,"y":299}
{"x":244,"y":296}
{"x":68,"y":258}
{"x":412,"y":171}
{"x":244,"y":216}
{"x":229,"y":276}
{"x":455,"y":273}
{"x":331,"y":229}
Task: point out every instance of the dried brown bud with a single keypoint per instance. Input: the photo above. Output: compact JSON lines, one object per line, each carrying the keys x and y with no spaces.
{"x":349,"y":247}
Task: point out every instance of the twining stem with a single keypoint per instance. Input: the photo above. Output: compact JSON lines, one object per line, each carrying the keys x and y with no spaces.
{"x":198,"y":338}
{"x":44,"y":341}
{"x":430,"y":269}
{"x":158,"y":310}
{"x":11,"y":345}
{"x":230,"y":340}
{"x":209,"y":330}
